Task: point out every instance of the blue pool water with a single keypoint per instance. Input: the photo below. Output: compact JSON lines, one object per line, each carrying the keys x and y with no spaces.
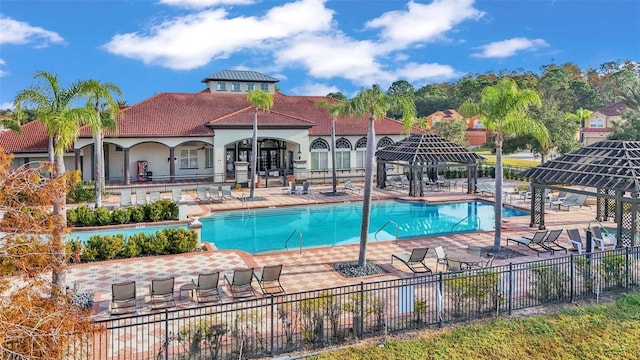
{"x":266,"y":230}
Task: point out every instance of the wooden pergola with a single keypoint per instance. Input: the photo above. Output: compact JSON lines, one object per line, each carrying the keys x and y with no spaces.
{"x":426,"y":152}
{"x":611,"y":167}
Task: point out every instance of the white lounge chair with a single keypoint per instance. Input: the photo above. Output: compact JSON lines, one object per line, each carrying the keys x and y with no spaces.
{"x":141,"y":196}
{"x":125,"y":198}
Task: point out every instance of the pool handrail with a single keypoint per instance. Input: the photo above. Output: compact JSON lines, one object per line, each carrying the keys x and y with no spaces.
{"x":465,"y":218}
{"x":289,"y":238}
{"x":383,"y":226}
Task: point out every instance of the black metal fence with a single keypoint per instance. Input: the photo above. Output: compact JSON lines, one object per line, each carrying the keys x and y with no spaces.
{"x":274,"y":325}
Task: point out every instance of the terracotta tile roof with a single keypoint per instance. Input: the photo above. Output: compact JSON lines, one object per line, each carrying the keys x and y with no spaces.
{"x":243,"y":119}
{"x":33,"y":138}
{"x":613,"y":109}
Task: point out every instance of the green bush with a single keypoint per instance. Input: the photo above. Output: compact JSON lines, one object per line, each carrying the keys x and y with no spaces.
{"x":121,"y":216}
{"x":106,"y":247}
{"x":137,"y":214}
{"x":179,"y":240}
{"x":80,"y":193}
{"x":103,"y":216}
{"x":169,"y":209}
{"x":143,"y":242}
{"x":85,"y":216}
{"x":72,"y":217}
{"x":154,"y":212}
{"x":131,"y":247}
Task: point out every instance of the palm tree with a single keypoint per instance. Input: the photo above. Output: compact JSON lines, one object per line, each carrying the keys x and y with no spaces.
{"x":580,"y":116}
{"x":105,"y":111}
{"x":375,"y":104}
{"x":54,"y":106}
{"x":337,"y":109}
{"x":260,"y":100}
{"x":503,"y":111}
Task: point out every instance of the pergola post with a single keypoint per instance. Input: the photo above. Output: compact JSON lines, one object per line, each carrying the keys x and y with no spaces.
{"x":537,"y":206}
{"x":381,"y":178}
{"x":472,"y":178}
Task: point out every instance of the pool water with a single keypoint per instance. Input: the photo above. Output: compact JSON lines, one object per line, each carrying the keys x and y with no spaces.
{"x":267,"y":230}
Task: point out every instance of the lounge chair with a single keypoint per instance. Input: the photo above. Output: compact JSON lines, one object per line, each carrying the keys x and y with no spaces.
{"x":201,"y":193}
{"x":123,"y":298}
{"x":577,"y":242}
{"x":392,"y":182}
{"x":349,"y":186}
{"x":305,"y":187}
{"x":404,"y":180}
{"x":455,"y":265}
{"x":226,"y":192}
{"x":240,"y":283}
{"x":269,"y":279}
{"x":578,"y":201}
{"x":414,"y":261}
{"x":444,"y":183}
{"x":534,"y":243}
{"x":206,"y":288}
{"x":154,"y":196}
{"x":176,"y":194}
{"x":161,"y":293}
{"x":441,"y":257}
{"x":141,"y":196}
{"x":291,"y":188}
{"x":551,"y":241}
{"x":571,"y":198}
{"x":485,"y":188}
{"x":214,"y":194}
{"x":604,"y":242}
{"x":125,"y":198}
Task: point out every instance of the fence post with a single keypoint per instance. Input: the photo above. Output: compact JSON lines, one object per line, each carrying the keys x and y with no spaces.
{"x":166,"y":334}
{"x":361,"y":330}
{"x":510,"y":300}
{"x":627,"y":264}
{"x":272,"y":322}
{"x":441,"y":300}
{"x":573,"y":282}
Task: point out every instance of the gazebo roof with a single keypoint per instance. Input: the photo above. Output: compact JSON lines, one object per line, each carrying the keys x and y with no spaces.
{"x":420,"y":149}
{"x":609,"y":164}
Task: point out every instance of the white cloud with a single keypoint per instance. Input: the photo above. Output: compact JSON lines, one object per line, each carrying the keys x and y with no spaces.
{"x":2,"y":72}
{"x":6,"y":105}
{"x":192,"y":41}
{"x":316,"y":89}
{"x":420,"y":72}
{"x":423,"y":22}
{"x":201,"y":4}
{"x":18,"y":32}
{"x":506,"y":48}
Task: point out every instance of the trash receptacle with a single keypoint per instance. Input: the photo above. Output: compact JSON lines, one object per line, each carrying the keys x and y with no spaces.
{"x":149,"y":175}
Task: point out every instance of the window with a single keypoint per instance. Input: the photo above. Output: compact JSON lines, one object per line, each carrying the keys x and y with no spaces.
{"x":208,"y":158}
{"x":597,"y":123}
{"x":188,"y":159}
{"x":384,"y":142}
{"x":361,"y":151}
{"x":251,"y":87}
{"x":343,"y":154}
{"x":264,"y":87}
{"x":222,"y":86}
{"x":235,"y":86}
{"x":319,"y":154}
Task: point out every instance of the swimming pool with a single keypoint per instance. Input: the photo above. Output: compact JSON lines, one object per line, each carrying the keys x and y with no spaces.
{"x":266,"y":230}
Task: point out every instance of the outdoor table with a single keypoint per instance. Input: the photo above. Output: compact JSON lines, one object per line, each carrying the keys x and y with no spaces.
{"x":186,"y":287}
{"x":470,"y":261}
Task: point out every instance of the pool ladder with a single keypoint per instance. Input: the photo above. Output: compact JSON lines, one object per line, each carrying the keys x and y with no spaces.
{"x":286,"y":243}
{"x":385,"y":225}
{"x":468,"y":216}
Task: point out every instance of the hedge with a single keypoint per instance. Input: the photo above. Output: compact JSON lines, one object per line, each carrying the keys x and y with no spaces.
{"x":157,"y":211}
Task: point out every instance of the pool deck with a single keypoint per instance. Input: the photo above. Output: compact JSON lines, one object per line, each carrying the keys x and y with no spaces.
{"x":310,"y":269}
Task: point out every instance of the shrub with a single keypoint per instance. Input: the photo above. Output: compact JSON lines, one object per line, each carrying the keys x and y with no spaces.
{"x":154,"y":212}
{"x":180,"y":240}
{"x":137,"y":214}
{"x":103,"y":216}
{"x":73,"y":251}
{"x":105,"y":247}
{"x":549,"y":283}
{"x":72,"y":217}
{"x":131,"y":247}
{"x":85,"y":216}
{"x":614,"y":270}
{"x":169,"y":209}
{"x":121,"y":216}
{"x":143,"y":242}
{"x":160,"y":244}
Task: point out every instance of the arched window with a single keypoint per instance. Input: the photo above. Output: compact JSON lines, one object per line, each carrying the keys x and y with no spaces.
{"x":319,"y":154}
{"x":343,"y":154}
{"x":361,"y":151}
{"x":384,"y":142}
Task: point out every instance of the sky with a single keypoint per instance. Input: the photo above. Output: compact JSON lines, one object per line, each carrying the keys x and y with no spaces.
{"x":313,"y":47}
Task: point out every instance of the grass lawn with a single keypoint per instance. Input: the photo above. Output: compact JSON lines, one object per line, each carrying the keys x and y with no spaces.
{"x":608,"y":331}
{"x":519,"y":163}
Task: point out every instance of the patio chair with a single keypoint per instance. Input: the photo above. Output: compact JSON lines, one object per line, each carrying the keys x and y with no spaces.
{"x":561,"y":200}
{"x":551,"y":241}
{"x":206,"y":287}
{"x":604,"y":242}
{"x":305,"y":187}
{"x":161,"y":293}
{"x":441,"y":257}
{"x":240,"y":283}
{"x":176,"y":194}
{"x":392,"y":182}
{"x":579,"y":200}
{"x":577,"y":242}
{"x":269,"y":279}
{"x":349,"y":186}
{"x":444,"y":183}
{"x":123,"y":298}
{"x":141,"y":196}
{"x":214,"y":194}
{"x":226,"y":192}
{"x":404,"y":180}
{"x":201,"y":193}
{"x":414,"y":261}
{"x":534,"y":243}
{"x":125,"y":198}
{"x":489,"y":262}
{"x":154,"y":196}
{"x":455,"y":265}
{"x":485,"y":188}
